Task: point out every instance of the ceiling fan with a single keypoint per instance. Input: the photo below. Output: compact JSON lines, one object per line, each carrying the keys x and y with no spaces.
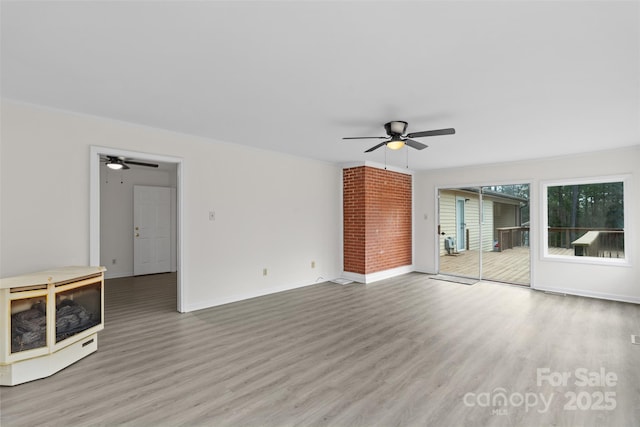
{"x":397,"y":138}
{"x":121,"y":163}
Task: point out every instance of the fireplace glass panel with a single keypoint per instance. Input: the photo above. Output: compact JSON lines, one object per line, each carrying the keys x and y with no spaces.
{"x":28,"y":323}
{"x":78,"y":310}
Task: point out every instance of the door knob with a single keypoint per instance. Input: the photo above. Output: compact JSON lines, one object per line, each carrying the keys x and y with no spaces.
{"x":137,"y":234}
{"x":137,"y":228}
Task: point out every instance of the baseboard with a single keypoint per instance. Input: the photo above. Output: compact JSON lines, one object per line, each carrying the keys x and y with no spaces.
{"x":200,"y":305}
{"x":381,"y":275}
{"x":116,"y":275}
{"x":588,"y":294}
{"x":378,"y":275}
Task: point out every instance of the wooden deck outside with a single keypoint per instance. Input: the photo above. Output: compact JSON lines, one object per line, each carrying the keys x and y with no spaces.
{"x":510,"y":265}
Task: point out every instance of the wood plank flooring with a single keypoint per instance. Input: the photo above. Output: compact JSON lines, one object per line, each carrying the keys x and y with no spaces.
{"x":405,"y":351}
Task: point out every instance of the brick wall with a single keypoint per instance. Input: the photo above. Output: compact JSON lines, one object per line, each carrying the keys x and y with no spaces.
{"x":377,"y":219}
{"x":353,"y":200}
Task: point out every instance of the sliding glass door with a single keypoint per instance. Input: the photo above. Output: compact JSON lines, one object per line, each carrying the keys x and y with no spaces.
{"x":484,"y":232}
{"x":506,"y":256}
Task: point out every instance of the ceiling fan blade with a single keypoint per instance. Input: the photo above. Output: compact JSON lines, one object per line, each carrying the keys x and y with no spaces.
{"x":415,"y":144}
{"x":449,"y":131}
{"x":133,"y":162}
{"x":365,"y":137}
{"x":375,"y":147}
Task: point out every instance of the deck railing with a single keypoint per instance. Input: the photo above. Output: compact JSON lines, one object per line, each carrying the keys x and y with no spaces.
{"x":596,"y":242}
{"x":509,"y":237}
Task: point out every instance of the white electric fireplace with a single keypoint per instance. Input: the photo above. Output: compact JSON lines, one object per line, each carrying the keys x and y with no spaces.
{"x":50,"y":320}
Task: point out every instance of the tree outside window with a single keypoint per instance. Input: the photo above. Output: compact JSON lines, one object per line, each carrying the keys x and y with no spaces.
{"x":586,"y":219}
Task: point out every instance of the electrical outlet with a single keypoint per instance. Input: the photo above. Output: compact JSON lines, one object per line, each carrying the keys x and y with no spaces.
{"x":264,"y":271}
{"x":113,"y":261}
{"x":212,"y":215}
{"x":313,"y":264}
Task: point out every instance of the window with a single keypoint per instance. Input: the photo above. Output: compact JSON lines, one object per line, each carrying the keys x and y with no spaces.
{"x":585,"y":220}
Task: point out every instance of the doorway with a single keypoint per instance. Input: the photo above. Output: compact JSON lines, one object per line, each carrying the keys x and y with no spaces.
{"x":490,"y":228}
{"x":98,"y":239}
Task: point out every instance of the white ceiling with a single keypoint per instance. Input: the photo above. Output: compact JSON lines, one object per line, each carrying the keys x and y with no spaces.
{"x":516,"y":79}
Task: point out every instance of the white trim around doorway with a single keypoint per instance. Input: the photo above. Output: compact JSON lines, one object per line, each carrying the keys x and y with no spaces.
{"x":94,"y":206}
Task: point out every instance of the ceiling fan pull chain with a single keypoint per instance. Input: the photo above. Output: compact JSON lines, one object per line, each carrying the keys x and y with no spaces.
{"x":407,"y":150}
{"x":385,"y":158}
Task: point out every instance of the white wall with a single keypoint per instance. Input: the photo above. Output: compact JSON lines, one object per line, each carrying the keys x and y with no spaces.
{"x":116,"y":214}
{"x":606,"y":281}
{"x":273,"y":210}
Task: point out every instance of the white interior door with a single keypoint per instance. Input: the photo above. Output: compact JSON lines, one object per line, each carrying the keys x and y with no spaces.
{"x":152,"y":230}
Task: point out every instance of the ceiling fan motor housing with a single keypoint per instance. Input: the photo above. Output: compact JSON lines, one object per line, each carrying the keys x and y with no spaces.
{"x":395,"y":128}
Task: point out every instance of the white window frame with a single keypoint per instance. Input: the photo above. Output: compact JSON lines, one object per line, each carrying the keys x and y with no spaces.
{"x":544,"y":235}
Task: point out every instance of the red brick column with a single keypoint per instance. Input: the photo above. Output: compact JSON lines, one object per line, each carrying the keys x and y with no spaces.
{"x":377,"y":219}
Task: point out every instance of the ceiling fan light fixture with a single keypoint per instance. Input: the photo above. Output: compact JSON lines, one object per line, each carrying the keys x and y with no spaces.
{"x":395,"y":144}
{"x":115,"y":164}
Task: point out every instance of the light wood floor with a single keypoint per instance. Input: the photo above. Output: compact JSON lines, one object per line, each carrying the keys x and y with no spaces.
{"x":404,"y":351}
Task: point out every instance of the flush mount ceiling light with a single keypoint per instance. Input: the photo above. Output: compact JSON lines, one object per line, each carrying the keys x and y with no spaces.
{"x":397,"y":138}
